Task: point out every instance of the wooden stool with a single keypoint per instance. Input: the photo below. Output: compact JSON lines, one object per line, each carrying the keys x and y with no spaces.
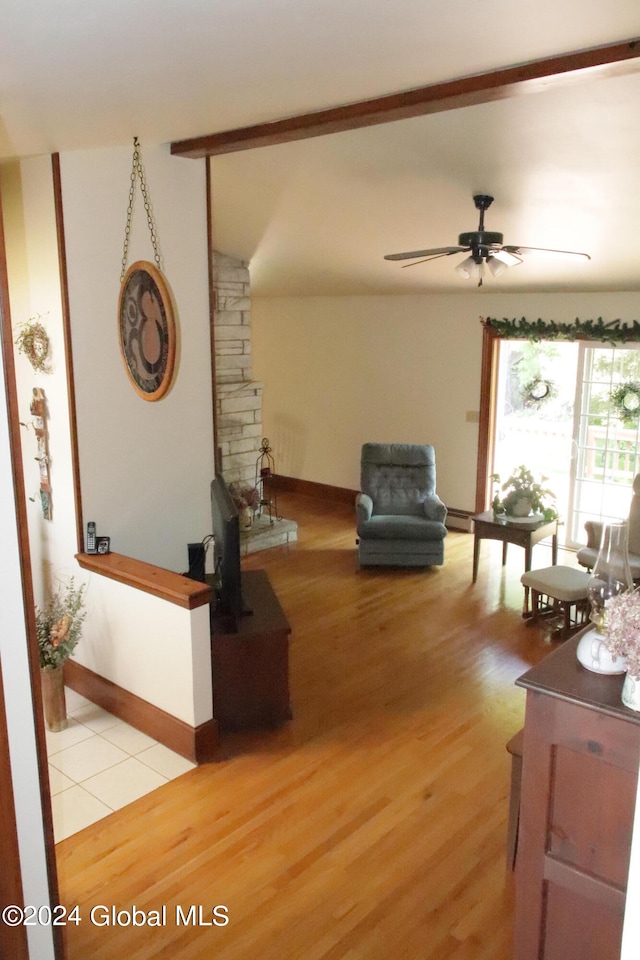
{"x":564,"y":588}
{"x":514,"y":747}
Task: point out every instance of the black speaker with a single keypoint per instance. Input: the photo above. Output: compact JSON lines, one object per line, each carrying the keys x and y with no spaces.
{"x":197,"y":554}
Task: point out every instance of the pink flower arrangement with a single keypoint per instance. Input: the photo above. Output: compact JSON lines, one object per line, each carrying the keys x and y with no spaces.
{"x":622,"y":629}
{"x":244,"y":496}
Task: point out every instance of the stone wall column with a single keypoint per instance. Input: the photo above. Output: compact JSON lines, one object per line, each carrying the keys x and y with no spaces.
{"x":238,"y":396}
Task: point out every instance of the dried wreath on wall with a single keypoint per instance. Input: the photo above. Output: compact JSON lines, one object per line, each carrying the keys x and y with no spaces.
{"x":33,"y":341}
{"x":625,"y":400}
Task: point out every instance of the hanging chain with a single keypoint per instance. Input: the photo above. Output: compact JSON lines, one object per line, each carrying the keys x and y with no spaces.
{"x":137,"y":172}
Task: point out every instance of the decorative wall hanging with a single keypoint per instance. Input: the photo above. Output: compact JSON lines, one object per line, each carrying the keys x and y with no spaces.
{"x":147,"y":330}
{"x":38,"y":410}
{"x":146,"y":325}
{"x":625,"y":401}
{"x":538,"y":391}
{"x":615,"y":331}
{"x":33,"y":342}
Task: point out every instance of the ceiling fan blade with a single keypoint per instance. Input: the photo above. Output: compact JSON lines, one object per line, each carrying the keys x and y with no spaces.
{"x":565,"y":253}
{"x":436,"y":252}
{"x":436,"y":257}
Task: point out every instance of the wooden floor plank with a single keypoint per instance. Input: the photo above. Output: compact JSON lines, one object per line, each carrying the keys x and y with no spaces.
{"x":373,"y":825}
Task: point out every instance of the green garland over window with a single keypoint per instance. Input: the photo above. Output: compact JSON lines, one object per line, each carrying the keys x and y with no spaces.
{"x":615,"y":331}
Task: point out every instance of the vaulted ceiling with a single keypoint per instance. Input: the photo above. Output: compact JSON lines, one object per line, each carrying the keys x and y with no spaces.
{"x":317,"y":216}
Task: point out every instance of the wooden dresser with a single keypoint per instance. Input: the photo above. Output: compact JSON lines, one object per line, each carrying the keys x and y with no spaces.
{"x":579,"y":778}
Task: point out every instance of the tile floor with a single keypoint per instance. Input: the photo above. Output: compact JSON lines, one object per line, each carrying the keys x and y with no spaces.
{"x":99,"y":764}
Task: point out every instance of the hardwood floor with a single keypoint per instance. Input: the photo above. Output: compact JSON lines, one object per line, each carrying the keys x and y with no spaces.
{"x":371,"y":827}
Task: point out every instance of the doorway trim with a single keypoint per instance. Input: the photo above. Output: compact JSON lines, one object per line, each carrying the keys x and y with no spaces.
{"x":486,"y":432}
{"x":13,"y":940}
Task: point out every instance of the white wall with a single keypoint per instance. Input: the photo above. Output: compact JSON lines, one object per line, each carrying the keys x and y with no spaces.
{"x":34,"y":286}
{"x":340,"y":371}
{"x":145,"y":467}
{"x":157,"y":650}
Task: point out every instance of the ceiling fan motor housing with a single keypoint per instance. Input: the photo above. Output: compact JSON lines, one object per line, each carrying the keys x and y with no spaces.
{"x":481,"y":241}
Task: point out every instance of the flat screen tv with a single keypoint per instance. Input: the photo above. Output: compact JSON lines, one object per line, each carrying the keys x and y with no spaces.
{"x":229,"y":606}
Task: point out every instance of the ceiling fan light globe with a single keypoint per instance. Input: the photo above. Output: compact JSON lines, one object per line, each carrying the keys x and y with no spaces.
{"x":467,"y":269}
{"x":497,"y":267}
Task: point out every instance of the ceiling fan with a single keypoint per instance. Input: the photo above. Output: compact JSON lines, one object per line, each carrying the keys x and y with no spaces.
{"x":483,"y":247}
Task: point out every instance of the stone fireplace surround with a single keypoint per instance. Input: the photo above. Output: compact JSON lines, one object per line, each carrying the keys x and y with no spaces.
{"x":238,"y":398}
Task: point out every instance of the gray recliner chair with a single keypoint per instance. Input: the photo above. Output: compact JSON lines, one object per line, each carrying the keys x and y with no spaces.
{"x":400,"y":519}
{"x":588,"y":555}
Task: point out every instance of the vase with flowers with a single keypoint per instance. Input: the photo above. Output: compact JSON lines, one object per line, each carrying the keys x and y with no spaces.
{"x":58,"y":627}
{"x":246,"y":500}
{"x":610,"y":578}
{"x":622,"y":639}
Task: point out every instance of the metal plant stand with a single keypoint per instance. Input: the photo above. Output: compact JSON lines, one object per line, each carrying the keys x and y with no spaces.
{"x":266,"y":482}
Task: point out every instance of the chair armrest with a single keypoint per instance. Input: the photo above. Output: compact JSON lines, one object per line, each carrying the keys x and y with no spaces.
{"x":435,"y":509}
{"x":364,"y":507}
{"x":594,"y":533}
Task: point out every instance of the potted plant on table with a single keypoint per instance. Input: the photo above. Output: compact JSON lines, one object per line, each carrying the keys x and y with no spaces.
{"x":58,"y":627}
{"x":523,"y":495}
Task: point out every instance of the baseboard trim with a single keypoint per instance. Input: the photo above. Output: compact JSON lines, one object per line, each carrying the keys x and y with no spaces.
{"x":321,"y":491}
{"x":197,"y":744}
{"x":456,"y":519}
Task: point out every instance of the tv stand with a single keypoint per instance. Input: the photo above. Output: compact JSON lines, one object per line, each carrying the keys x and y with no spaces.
{"x":250,"y":666}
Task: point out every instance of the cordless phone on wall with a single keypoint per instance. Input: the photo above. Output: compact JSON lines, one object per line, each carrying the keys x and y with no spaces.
{"x":91,"y":537}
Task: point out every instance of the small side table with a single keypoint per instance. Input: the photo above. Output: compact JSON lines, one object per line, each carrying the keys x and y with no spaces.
{"x":524,"y":533}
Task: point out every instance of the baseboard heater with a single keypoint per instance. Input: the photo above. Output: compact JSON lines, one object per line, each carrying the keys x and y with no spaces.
{"x":459,"y":519}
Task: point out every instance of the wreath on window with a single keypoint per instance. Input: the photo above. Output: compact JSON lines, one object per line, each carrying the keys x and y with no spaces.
{"x":625,"y":400}
{"x":33,"y":341}
{"x":538,"y":391}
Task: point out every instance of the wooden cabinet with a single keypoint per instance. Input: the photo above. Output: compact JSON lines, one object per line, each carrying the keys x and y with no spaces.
{"x":251,"y":667}
{"x":579,"y":778}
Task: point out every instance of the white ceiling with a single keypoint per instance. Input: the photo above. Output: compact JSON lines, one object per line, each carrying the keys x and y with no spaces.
{"x":317,"y":216}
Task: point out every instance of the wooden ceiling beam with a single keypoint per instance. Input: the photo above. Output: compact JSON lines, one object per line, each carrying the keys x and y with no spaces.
{"x":612,"y":60}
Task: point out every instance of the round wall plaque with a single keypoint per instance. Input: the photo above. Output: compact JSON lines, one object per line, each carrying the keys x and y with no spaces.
{"x":146,"y":329}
